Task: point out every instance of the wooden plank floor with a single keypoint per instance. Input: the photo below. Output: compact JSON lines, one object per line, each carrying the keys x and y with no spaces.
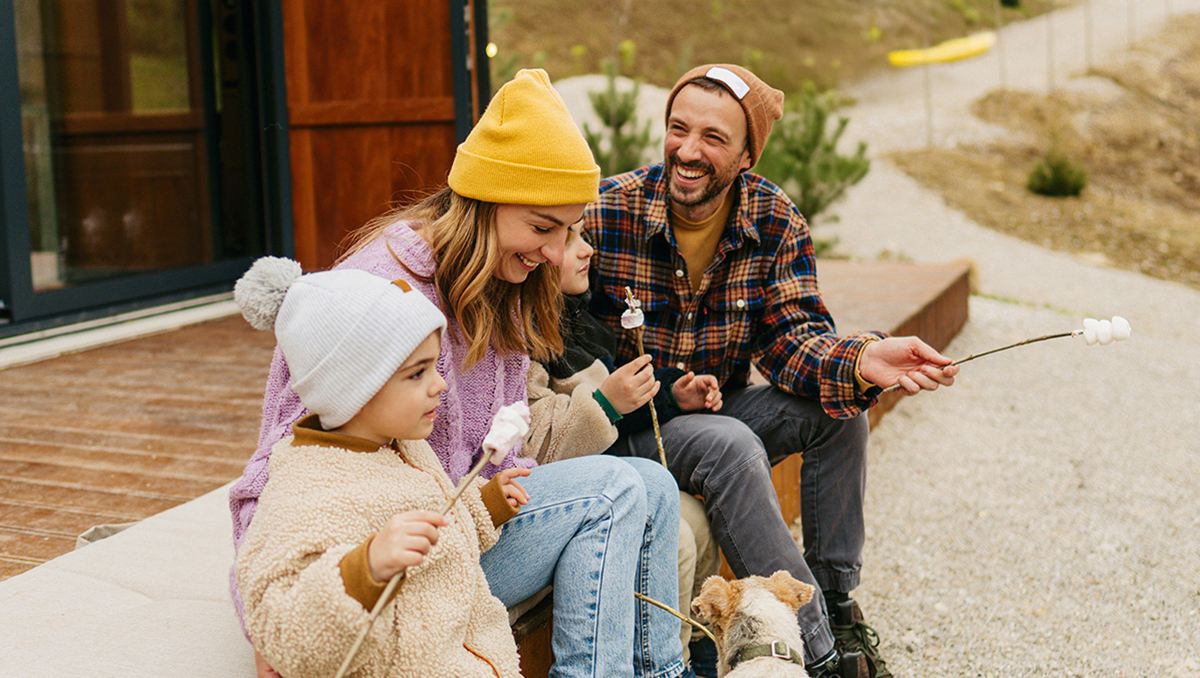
{"x":119,"y":433}
{"x":122,"y":432}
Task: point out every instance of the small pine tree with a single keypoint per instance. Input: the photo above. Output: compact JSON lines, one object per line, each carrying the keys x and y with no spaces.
{"x":802,"y":158}
{"x":1056,"y":176}
{"x":621,"y":143}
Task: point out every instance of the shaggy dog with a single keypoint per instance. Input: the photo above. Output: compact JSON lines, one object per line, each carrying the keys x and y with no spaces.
{"x":754,"y":621}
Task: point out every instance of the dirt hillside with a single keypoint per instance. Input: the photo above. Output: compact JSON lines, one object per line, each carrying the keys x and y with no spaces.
{"x":1130,"y":125}
{"x":787,"y":43}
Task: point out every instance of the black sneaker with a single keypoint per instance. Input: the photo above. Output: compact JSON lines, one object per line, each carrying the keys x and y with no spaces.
{"x":852,"y":635}
{"x":703,"y":657}
{"x":836,"y":665}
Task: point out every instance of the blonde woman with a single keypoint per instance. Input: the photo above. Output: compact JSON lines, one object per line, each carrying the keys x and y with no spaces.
{"x":487,"y":249}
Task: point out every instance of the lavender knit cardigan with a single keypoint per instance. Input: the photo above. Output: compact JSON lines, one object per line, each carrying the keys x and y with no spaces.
{"x":471,"y":399}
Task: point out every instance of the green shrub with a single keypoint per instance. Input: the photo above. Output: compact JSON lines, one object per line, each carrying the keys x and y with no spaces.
{"x":1057,"y":177}
{"x":802,"y":158}
{"x":621,"y":143}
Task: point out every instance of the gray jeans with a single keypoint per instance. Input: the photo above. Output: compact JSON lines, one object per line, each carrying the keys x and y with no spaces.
{"x":726,"y":458}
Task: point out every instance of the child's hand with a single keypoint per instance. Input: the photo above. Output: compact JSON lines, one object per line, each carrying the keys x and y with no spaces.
{"x":513,"y":492}
{"x":697,"y":392}
{"x":630,"y":386}
{"x":403,"y":543}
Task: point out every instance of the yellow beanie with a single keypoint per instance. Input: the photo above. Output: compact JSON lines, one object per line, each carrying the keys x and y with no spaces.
{"x":526,"y":149}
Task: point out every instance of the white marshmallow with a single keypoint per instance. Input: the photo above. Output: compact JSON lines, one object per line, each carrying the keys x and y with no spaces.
{"x":509,"y":427}
{"x":1104,"y":331}
{"x":632,"y":318}
{"x":1120,"y":328}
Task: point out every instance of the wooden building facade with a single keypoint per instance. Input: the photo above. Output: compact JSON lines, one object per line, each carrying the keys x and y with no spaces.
{"x":151,"y":149}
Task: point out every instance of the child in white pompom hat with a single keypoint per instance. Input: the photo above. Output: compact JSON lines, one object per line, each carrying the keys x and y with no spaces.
{"x":353,"y":493}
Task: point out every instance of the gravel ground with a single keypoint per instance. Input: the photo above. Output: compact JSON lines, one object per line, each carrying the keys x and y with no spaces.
{"x":1039,"y":518}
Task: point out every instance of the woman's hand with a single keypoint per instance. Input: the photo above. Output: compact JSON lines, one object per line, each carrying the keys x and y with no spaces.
{"x":403,"y":542}
{"x":513,"y":492}
{"x":630,"y":386}
{"x":697,"y":392}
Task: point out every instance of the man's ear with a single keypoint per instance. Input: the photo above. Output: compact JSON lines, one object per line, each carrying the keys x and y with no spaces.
{"x":746,"y":163}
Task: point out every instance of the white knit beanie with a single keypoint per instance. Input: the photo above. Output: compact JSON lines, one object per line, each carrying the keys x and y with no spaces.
{"x":344,"y":333}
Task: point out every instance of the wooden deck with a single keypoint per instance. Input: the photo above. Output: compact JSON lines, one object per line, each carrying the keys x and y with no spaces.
{"x":122,"y":432}
{"x":119,"y":433}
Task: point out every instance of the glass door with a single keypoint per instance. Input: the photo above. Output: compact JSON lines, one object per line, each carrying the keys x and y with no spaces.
{"x":141,"y":166}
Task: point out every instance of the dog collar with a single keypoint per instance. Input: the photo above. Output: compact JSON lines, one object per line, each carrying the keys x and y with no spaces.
{"x":777,"y":649}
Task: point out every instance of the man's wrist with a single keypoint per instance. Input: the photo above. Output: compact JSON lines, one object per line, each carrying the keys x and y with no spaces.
{"x":863,"y":384}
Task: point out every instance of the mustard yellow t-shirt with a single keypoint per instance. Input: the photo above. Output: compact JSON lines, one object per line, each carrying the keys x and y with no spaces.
{"x":698,"y":241}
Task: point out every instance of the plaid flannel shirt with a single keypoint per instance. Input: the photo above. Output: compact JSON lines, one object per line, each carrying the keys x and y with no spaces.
{"x":758,"y":300}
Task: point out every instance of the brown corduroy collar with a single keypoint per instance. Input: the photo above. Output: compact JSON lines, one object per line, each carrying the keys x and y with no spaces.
{"x":308,"y":431}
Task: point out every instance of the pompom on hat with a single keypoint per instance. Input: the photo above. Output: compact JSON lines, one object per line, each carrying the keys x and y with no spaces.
{"x":526,"y":149}
{"x":762,"y":103}
{"x":344,"y":333}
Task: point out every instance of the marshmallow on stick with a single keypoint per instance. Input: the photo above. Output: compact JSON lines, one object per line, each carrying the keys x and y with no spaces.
{"x":509,"y":426}
{"x":633,"y":319}
{"x":1094,"y":332}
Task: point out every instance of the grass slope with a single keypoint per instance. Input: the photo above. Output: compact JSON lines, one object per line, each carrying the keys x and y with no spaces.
{"x":786,"y":43}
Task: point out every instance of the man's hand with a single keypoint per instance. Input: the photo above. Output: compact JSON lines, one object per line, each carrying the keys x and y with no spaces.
{"x":905,"y":361}
{"x":630,"y":386}
{"x":697,"y":392}
{"x":403,"y":543}
{"x":513,"y":491}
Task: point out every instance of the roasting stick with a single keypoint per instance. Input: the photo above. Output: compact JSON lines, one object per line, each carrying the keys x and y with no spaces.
{"x":510,"y":424}
{"x":633,"y":320}
{"x":681,"y":617}
{"x":1093,"y":332}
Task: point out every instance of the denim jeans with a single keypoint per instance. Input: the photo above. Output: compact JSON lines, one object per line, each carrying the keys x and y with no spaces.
{"x":597,"y":528}
{"x":727,"y":457}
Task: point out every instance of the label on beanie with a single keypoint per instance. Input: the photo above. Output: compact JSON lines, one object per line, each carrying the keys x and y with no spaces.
{"x":736,"y":84}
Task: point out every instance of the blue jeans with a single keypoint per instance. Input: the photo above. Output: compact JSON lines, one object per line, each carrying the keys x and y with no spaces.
{"x":597,"y":528}
{"x":727,"y":457}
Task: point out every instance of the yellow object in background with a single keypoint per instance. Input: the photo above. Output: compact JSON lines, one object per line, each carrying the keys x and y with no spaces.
{"x":951,"y":50}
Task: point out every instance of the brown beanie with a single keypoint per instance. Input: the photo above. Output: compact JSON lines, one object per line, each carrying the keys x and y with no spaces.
{"x":762,"y":103}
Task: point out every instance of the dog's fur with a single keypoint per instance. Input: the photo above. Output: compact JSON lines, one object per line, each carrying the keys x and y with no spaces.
{"x":754,"y":611}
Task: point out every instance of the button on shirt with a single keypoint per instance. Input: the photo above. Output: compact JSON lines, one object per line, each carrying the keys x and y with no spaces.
{"x":759,"y":302}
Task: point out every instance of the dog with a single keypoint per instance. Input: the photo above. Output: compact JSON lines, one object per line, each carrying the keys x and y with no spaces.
{"x":754,"y":621}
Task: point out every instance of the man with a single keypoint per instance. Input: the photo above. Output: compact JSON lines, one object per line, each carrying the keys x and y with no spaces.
{"x":723,"y":265}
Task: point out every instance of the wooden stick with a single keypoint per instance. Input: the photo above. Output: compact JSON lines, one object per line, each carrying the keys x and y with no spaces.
{"x":689,"y":620}
{"x":637,"y":334}
{"x":394,"y":582}
{"x":973,"y":356}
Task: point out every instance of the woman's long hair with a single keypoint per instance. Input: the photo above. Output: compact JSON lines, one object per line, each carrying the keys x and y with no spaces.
{"x":462,"y":233}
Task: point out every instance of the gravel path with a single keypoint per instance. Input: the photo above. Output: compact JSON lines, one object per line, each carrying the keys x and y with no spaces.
{"x":1041,"y":517}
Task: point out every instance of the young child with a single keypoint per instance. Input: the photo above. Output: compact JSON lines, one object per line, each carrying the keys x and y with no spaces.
{"x":581,"y":401}
{"x":353,"y":493}
{"x":580,"y":404}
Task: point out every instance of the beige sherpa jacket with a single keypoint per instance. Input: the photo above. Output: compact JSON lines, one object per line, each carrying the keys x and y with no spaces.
{"x":566,"y":421}
{"x":303,"y":574}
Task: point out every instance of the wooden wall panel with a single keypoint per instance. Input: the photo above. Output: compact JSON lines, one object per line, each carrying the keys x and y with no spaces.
{"x":371,"y":112}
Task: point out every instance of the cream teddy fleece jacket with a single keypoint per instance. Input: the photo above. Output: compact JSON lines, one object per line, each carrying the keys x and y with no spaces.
{"x":306,"y":549}
{"x":566,"y":421}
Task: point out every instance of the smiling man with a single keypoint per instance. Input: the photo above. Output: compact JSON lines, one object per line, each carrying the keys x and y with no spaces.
{"x":723,"y":264}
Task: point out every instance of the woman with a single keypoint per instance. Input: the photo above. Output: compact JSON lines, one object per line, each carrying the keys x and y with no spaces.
{"x":487,"y":249}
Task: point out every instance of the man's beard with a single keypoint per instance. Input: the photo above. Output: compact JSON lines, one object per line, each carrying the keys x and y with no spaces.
{"x":717,"y":182}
